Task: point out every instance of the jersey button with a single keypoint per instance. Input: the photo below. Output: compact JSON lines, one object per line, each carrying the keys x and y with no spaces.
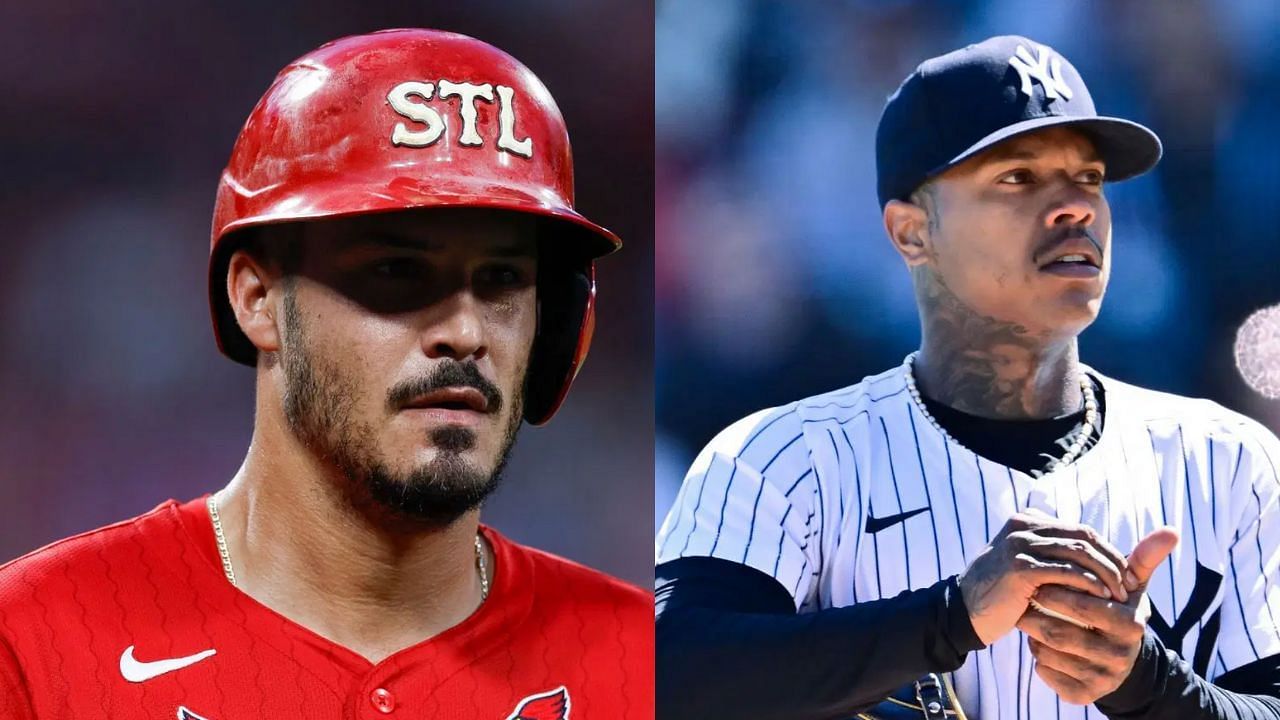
{"x":383,"y":700}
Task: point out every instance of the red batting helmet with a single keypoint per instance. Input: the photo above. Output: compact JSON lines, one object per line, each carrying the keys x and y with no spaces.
{"x":404,"y":119}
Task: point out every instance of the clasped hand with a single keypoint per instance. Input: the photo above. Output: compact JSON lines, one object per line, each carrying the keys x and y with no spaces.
{"x":1080,"y":601}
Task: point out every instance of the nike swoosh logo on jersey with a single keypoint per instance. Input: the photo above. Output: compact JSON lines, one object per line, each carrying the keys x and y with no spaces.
{"x":136,"y":672}
{"x":876,"y":524}
{"x":185,"y":714}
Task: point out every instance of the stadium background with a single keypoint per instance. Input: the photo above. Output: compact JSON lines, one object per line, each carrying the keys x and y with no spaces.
{"x":774,"y":279}
{"x":117,"y":123}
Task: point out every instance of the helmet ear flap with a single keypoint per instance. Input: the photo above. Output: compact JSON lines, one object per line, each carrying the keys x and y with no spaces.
{"x":566,"y":320}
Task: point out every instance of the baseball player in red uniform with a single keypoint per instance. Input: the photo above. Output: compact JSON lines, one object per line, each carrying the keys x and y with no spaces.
{"x":396,"y":253}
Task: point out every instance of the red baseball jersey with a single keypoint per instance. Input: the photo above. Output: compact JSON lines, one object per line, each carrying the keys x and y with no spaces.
{"x":136,"y":620}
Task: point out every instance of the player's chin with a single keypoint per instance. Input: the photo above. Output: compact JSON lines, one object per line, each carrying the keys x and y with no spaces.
{"x":436,"y":492}
{"x":430,"y":464}
{"x":1073,"y":313}
{"x":447,"y":443}
{"x":474,"y":445}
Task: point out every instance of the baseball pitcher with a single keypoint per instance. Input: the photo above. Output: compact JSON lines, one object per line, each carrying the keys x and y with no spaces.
{"x":992,"y":529}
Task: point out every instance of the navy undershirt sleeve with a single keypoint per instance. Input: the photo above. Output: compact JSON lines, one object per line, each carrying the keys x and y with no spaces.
{"x":1163,"y":685}
{"x":730,"y":644}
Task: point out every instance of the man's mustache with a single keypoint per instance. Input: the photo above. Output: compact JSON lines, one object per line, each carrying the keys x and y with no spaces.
{"x":449,"y":374}
{"x":1070,"y":233}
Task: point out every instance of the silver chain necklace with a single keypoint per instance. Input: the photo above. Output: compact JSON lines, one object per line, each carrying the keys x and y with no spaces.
{"x":1082,"y":435}
{"x":482,"y":565}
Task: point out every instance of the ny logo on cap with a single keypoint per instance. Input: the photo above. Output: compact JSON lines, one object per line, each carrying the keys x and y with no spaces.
{"x":1045,"y":67}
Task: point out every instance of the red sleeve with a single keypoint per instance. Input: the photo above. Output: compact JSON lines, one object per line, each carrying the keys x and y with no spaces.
{"x":15,"y":702}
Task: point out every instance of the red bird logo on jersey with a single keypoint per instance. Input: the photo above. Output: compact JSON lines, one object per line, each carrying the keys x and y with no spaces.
{"x":550,"y":705}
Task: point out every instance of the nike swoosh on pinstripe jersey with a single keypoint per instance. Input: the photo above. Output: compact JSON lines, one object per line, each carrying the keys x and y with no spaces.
{"x":136,"y":672}
{"x":875,"y":524}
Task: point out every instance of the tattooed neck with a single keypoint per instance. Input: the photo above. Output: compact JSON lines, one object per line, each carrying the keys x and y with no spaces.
{"x":989,"y":367}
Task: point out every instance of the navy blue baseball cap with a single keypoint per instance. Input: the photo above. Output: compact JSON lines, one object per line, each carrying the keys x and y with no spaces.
{"x":954,"y":106}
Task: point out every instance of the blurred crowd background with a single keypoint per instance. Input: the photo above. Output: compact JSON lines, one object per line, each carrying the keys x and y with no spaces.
{"x":118,"y":121}
{"x":774,"y":278}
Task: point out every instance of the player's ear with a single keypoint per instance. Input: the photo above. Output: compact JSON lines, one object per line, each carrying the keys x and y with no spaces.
{"x":907,"y":225}
{"x":250,"y":279}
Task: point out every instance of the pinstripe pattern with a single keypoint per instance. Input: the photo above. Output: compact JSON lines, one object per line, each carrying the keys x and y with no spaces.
{"x":789,"y":491}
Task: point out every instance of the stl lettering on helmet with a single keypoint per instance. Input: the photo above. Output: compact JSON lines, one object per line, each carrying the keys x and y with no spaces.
{"x":401,"y":99}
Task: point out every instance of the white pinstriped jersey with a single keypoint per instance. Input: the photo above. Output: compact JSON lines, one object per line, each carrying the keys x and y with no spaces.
{"x":793,"y":491}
